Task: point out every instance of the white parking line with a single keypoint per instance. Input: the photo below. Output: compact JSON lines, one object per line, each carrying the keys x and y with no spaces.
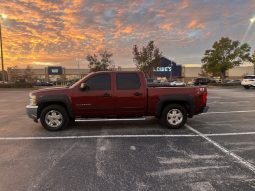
{"x":222,"y":112}
{"x":124,"y":136}
{"x":214,"y":97}
{"x":229,"y":134}
{"x":228,"y":102}
{"x":224,"y":150}
{"x":94,"y":137}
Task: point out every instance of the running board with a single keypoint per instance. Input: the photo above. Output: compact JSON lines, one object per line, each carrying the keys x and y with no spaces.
{"x":110,"y":119}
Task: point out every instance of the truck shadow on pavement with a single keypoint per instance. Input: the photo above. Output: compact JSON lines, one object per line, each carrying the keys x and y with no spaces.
{"x":115,"y":124}
{"x":150,"y":126}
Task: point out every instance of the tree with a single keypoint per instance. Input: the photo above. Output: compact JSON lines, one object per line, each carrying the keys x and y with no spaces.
{"x":147,"y":58}
{"x":100,"y":62}
{"x":224,"y":55}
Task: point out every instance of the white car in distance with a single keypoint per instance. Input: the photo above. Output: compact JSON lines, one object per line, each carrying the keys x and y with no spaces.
{"x":248,"y":81}
{"x":177,"y":83}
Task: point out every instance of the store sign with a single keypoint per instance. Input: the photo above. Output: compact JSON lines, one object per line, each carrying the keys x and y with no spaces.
{"x":168,"y":68}
{"x":163,"y":69}
{"x":55,"y":70}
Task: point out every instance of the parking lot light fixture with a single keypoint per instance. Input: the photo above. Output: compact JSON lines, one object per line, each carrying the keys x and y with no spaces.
{"x":252,"y":20}
{"x":2,"y":16}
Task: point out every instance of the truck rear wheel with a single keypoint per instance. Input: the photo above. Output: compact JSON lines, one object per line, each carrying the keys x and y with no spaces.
{"x":174,"y":116}
{"x":54,"y":118}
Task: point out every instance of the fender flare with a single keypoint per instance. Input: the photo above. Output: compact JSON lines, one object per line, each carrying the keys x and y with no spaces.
{"x":55,"y":99}
{"x":174,"y":98}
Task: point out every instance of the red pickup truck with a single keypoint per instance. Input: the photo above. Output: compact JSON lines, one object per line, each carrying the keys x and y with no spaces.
{"x":115,"y":96}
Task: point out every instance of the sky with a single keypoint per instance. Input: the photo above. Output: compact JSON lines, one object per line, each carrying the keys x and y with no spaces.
{"x":60,"y":32}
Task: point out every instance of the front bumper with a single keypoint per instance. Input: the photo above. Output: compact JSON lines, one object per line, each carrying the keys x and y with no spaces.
{"x":32,"y":112}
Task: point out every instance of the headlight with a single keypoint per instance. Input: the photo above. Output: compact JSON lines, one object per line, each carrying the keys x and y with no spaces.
{"x":32,"y":99}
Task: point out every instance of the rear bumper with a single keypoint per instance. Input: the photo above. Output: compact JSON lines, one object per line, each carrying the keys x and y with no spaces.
{"x":32,"y":112}
{"x":250,"y":84}
{"x":202,"y":110}
{"x":205,"y":109}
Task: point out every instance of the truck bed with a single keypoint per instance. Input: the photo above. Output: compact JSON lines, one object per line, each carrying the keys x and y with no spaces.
{"x":189,"y":95}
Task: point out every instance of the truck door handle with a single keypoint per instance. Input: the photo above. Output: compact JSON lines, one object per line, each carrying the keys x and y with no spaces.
{"x":137,"y":94}
{"x":107,"y":95}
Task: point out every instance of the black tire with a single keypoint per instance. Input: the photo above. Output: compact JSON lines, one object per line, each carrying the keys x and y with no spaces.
{"x":247,"y":87}
{"x":60,"y":112}
{"x":180,"y":121}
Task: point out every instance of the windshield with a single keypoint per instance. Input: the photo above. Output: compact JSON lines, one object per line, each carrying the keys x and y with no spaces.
{"x":249,"y":77}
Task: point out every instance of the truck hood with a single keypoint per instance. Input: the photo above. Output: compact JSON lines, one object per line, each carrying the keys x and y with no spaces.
{"x":50,"y":91}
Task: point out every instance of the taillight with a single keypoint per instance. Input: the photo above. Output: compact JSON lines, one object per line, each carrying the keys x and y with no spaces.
{"x":202,"y":92}
{"x":204,"y":98}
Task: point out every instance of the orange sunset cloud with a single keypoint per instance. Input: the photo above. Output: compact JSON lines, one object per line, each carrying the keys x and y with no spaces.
{"x":59,"y":31}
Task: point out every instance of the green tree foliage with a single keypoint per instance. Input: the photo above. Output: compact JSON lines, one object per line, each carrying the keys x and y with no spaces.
{"x":224,"y":55}
{"x":99,"y":62}
{"x":147,"y":58}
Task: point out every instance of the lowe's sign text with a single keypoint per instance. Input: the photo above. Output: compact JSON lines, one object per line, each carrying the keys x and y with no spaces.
{"x":163,"y":69}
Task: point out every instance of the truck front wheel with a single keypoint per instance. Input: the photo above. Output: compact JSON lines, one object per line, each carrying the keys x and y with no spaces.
{"x":54,"y":118}
{"x":174,"y":116}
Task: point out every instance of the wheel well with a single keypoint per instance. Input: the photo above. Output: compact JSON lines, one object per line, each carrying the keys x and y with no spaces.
{"x":182,"y":103}
{"x":46,"y":104}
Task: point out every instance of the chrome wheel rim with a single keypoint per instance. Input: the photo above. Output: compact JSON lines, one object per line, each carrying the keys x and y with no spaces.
{"x":53,"y":118}
{"x":174,"y":117}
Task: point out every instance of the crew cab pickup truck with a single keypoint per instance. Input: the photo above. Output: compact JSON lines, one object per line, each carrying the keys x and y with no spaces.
{"x":115,"y":96}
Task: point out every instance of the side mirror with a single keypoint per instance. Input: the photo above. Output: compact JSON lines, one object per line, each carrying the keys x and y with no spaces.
{"x":84,"y":86}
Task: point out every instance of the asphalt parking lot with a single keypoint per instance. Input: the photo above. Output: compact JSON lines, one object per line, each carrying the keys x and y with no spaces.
{"x":215,"y":151}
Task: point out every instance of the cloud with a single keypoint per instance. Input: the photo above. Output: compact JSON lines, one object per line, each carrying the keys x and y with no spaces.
{"x":49,"y":31}
{"x":166,"y":26}
{"x":195,"y":24}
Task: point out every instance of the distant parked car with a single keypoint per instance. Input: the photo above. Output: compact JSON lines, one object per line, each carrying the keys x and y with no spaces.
{"x":2,"y":82}
{"x":234,"y":82}
{"x":153,"y":83}
{"x":42,"y":84}
{"x":152,"y":80}
{"x":201,"y":81}
{"x":248,"y":81}
{"x":177,"y":83}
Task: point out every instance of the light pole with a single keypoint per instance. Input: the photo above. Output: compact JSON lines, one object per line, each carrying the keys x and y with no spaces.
{"x":252,"y":21}
{"x":171,"y":69}
{"x":3,"y":16}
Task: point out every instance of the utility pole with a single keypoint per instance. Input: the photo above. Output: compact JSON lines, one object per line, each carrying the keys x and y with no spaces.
{"x":2,"y":55}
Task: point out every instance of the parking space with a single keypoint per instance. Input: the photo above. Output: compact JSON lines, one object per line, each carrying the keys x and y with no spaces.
{"x":215,"y":151}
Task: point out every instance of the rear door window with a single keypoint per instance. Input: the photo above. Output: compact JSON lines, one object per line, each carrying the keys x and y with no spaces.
{"x":128,"y":81}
